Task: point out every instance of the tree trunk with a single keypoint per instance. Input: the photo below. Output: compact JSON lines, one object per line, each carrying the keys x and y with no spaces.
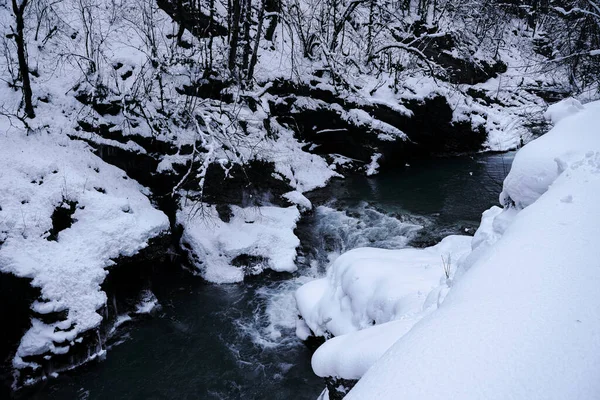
{"x":247,"y":24}
{"x":254,"y":59}
{"x":19,"y":11}
{"x":273,"y":7}
{"x":235,"y":33}
{"x":370,"y":29}
{"x":210,"y":39}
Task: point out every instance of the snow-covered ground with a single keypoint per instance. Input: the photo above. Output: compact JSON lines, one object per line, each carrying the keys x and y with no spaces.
{"x":112,"y":217}
{"x":521,"y":318}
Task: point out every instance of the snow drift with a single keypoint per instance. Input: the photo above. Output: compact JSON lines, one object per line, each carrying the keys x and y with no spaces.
{"x":522,"y":319}
{"x":369,"y":298}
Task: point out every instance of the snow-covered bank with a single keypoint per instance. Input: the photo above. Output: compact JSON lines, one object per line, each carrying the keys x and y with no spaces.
{"x":521,"y":318}
{"x":65,"y":216}
{"x":371,"y":297}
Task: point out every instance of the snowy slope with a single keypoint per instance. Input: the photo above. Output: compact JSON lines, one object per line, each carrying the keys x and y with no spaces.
{"x":112,"y":217}
{"x":522,"y":322}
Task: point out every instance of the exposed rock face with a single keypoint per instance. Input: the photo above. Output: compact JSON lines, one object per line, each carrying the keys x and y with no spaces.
{"x":338,"y":387}
{"x":428,"y":125}
{"x":253,"y":184}
{"x":132,"y":276}
{"x":200,"y":24}
{"x":16,"y":296}
{"x":458,"y":70}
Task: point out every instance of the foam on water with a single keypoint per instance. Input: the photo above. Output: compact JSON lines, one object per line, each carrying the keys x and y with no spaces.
{"x":337,"y":231}
{"x":330,"y":233}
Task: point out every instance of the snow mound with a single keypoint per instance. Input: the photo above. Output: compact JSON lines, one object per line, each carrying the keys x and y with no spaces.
{"x":368,"y":286}
{"x":537,"y":165}
{"x":522,"y":321}
{"x":369,"y":298}
{"x":350,"y":356}
{"x":48,"y":182}
{"x":254,"y":239}
{"x":564,"y":108}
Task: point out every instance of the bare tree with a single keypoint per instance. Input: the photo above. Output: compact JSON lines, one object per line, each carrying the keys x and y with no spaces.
{"x":234,"y":33}
{"x":254,"y":59}
{"x":19,"y":36}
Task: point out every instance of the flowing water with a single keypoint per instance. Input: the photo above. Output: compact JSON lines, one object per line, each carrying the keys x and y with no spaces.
{"x":237,"y":341}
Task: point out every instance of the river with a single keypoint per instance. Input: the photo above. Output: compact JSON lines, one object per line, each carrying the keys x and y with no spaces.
{"x":237,"y":341}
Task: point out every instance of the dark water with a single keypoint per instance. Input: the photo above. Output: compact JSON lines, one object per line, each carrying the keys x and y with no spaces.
{"x":445,"y":195}
{"x":237,"y":341}
{"x":207,"y":342}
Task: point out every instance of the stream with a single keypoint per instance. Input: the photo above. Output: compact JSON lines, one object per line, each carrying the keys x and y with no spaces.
{"x":237,"y":341}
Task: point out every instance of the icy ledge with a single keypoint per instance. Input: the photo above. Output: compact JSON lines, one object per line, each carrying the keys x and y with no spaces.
{"x":65,"y":215}
{"x":522,"y":318}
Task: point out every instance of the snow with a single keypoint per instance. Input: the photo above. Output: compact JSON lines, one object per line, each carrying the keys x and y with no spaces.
{"x":112,"y":217}
{"x":305,"y":171}
{"x":350,"y":356}
{"x":119,"y":222}
{"x":369,"y":298}
{"x":522,"y":319}
{"x":373,"y":166}
{"x":539,"y":163}
{"x":362,"y":119}
{"x":264,"y":232}
{"x":563,"y":109}
{"x":295,"y":197}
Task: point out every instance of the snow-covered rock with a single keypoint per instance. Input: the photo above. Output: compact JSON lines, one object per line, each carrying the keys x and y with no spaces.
{"x":522,"y":321}
{"x":65,"y":216}
{"x":564,"y":108}
{"x":254,"y":239}
{"x":370,"y":298}
{"x":299,"y":199}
